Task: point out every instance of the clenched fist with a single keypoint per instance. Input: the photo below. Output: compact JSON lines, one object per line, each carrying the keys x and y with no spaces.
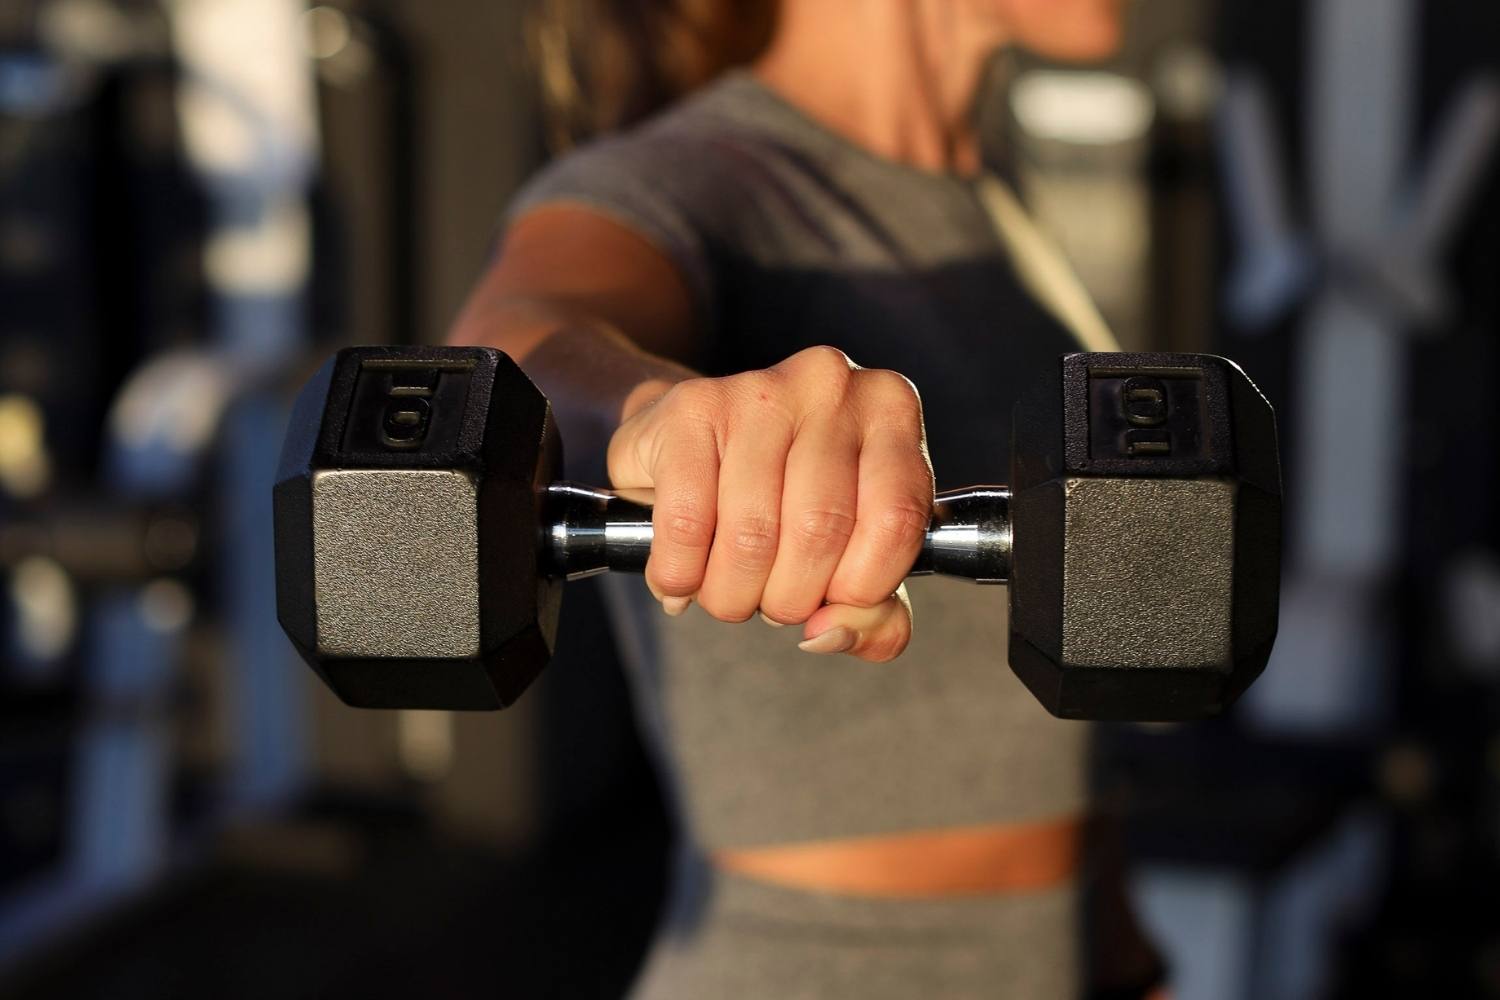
{"x":802,"y":491}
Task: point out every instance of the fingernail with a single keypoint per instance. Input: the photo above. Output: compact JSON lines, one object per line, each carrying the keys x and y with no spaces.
{"x":771,"y":621}
{"x":836,"y":640}
{"x":675,"y":606}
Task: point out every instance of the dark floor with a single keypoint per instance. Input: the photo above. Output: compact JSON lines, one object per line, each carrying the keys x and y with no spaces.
{"x":361,"y":900}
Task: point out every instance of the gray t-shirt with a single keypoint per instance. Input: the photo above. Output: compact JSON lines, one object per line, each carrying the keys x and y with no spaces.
{"x":790,"y":236}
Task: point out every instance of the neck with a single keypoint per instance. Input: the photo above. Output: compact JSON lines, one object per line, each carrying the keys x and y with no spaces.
{"x":898,"y":77}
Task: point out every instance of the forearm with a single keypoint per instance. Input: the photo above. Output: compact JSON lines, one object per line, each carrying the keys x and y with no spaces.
{"x":594,"y":375}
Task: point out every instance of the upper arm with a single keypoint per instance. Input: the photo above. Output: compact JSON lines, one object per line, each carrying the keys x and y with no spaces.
{"x":564,"y":260}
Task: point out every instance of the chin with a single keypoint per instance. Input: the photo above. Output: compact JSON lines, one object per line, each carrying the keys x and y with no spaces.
{"x":1090,"y":46}
{"x":1073,"y":30}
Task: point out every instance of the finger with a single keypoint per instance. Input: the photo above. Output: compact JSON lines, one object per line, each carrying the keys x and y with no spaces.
{"x":685,"y":476}
{"x":818,"y":507}
{"x":876,"y":634}
{"x":748,"y":531}
{"x":894,"y":507}
{"x":628,"y":458}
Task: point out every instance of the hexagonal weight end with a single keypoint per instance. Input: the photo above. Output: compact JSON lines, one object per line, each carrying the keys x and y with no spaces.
{"x":407,"y":528}
{"x":1146,"y":512}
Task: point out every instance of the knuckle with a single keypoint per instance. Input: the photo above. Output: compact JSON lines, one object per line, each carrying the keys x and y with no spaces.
{"x":753,"y":540}
{"x":827,"y":363}
{"x":720,"y":609}
{"x":892,"y":392}
{"x":674,"y":573}
{"x":824,"y":527}
{"x":676,"y":580}
{"x":901,"y":523}
{"x":787,"y":612}
{"x":825,"y":355}
{"x":888,"y":382}
{"x":684,"y":524}
{"x":698,"y":399}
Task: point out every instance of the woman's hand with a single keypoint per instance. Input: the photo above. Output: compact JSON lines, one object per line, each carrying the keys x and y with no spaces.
{"x":802,"y":491}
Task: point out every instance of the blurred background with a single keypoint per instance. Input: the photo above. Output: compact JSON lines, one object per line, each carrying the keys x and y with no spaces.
{"x":199,"y":199}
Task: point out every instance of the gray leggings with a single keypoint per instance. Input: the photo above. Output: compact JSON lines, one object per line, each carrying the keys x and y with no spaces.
{"x":729,"y":936}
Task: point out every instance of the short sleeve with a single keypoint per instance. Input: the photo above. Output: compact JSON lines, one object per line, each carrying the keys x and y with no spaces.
{"x":633,"y":183}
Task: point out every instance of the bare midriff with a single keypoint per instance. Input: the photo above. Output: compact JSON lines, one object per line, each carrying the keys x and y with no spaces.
{"x":989,"y":859}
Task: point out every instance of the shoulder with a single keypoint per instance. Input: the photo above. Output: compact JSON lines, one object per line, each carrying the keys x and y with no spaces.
{"x":705,"y":159}
{"x":682,"y":181}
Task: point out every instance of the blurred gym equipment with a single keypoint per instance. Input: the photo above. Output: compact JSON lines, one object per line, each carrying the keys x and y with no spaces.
{"x":191,"y":195}
{"x":1357,"y":168}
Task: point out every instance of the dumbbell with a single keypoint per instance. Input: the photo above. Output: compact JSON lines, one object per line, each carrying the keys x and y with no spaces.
{"x":422,"y":540}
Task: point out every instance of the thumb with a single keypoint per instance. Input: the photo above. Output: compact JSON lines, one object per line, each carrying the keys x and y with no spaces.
{"x":876,"y":634}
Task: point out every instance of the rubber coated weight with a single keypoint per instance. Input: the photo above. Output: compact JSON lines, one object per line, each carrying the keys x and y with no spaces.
{"x":1146,"y":511}
{"x":407,"y":513}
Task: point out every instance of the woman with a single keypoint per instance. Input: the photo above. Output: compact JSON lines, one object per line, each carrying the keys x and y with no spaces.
{"x":692,"y":292}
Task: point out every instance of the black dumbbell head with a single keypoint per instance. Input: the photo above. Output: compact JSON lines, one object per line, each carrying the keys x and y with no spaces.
{"x":407,"y":528}
{"x":1146,"y":513}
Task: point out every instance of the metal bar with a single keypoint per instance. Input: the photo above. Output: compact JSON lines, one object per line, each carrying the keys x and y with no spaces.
{"x":589,"y":531}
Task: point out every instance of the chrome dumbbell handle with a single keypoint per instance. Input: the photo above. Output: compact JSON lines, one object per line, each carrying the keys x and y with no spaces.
{"x":588,"y":531}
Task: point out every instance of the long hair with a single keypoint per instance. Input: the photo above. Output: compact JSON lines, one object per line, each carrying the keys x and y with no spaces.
{"x":603,"y":64}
